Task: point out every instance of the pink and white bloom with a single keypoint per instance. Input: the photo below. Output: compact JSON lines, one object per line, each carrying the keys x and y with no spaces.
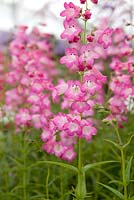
{"x":71,"y":11}
{"x":72,"y":30}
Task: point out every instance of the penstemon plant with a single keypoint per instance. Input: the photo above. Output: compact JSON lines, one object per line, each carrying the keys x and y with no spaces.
{"x":65,"y":131}
{"x":101,"y":83}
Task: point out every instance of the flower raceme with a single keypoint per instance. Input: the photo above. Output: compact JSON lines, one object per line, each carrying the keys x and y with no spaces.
{"x":30,"y":78}
{"x":78,"y":97}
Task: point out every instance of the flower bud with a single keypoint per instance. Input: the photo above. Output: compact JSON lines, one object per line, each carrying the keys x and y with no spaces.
{"x":82,"y":1}
{"x":94,"y":1}
{"x":87,"y":15}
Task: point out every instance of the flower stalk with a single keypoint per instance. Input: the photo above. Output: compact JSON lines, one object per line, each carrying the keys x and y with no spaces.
{"x":123,"y":166}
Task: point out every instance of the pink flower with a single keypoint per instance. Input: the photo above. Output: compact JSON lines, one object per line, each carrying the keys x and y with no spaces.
{"x":23,"y":117}
{"x":66,"y":139}
{"x":125,"y":49}
{"x":37,"y":86}
{"x":90,"y":85}
{"x":88,"y":131}
{"x":71,"y":59}
{"x":60,"y":89}
{"x":80,"y":106}
{"x":73,"y":127}
{"x":71,"y":31}
{"x":33,"y":98}
{"x":59,"y":149}
{"x":71,"y":11}
{"x":45,"y":135}
{"x":60,"y":120}
{"x":119,"y":35}
{"x":74,"y":90}
{"x":69,"y":154}
{"x":48,"y":146}
{"x":105,"y":38}
{"x":87,"y":56}
{"x":36,"y":121}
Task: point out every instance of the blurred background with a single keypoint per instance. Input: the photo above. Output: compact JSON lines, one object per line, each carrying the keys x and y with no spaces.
{"x":37,"y":12}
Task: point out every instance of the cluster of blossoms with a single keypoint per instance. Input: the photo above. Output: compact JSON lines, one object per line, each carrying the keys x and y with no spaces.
{"x":2,"y":72}
{"x":77,"y":97}
{"x":87,"y":56}
{"x":30,"y":77}
{"x":121,"y":62}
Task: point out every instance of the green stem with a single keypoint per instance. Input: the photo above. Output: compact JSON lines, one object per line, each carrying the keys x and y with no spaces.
{"x":47,"y":182}
{"x":79,"y":161}
{"x":79,"y":192}
{"x":124,"y":173}
{"x":6,"y":167}
{"x":122,"y":163}
{"x":81,"y":186}
{"x":118,"y":134}
{"x":24,"y":168}
{"x":85,"y":32}
{"x":61,"y":186}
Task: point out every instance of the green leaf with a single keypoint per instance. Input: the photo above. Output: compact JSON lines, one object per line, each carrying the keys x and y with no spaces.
{"x":116,"y":181}
{"x":64,"y":165}
{"x":116,"y":192}
{"x":15,"y":160}
{"x":114,"y":143}
{"x":128,"y":169}
{"x":89,"y":166}
{"x":125,"y":145}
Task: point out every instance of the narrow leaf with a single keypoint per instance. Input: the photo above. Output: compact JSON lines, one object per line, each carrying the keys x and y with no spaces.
{"x":89,"y":166}
{"x":125,"y":145}
{"x":15,"y":160}
{"x":67,"y":166}
{"x":116,"y":192}
{"x":128,"y":169}
{"x":116,"y":181}
{"x":114,"y":143}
